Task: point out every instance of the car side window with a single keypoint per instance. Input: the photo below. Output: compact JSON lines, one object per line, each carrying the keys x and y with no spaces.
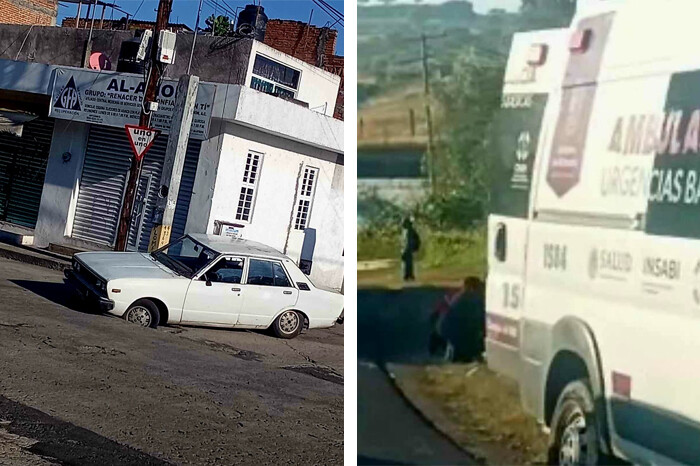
{"x":260,"y":273}
{"x":226,"y":270}
{"x":281,"y":278}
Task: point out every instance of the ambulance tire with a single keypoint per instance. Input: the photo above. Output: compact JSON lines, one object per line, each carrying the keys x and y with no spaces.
{"x":574,"y":436}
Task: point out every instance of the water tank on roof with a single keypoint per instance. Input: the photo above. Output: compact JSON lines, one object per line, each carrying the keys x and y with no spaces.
{"x":252,"y":20}
{"x":128,"y":62}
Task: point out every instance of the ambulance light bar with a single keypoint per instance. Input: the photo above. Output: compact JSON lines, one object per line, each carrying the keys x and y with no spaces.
{"x":580,"y":41}
{"x":537,"y":56}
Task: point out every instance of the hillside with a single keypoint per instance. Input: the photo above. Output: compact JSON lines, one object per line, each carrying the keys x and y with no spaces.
{"x":390,"y":73}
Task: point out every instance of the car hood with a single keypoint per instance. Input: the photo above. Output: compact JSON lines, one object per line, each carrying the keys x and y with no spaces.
{"x":114,"y":265}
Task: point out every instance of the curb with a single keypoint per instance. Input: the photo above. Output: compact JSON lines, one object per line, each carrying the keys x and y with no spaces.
{"x":16,"y":254}
{"x":390,"y":370}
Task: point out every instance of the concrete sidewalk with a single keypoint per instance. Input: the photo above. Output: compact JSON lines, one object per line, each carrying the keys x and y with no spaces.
{"x":35,"y":256}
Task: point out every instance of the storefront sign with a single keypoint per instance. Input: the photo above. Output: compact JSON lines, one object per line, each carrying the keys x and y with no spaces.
{"x":115,"y":99}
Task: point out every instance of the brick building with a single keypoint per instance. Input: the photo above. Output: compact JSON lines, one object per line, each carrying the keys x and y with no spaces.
{"x":312,"y":44}
{"x":38,"y":12}
{"x":121,"y":24}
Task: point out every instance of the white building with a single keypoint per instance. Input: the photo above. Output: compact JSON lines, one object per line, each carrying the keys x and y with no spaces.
{"x":273,"y":165}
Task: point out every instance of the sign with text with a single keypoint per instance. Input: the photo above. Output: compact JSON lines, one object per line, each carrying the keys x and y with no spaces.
{"x":141,"y":139}
{"x":115,"y":99}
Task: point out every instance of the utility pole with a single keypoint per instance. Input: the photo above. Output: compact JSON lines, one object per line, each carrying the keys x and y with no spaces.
{"x":428,"y":116}
{"x":162,"y":18}
{"x":186,"y":96}
{"x":194,"y":39}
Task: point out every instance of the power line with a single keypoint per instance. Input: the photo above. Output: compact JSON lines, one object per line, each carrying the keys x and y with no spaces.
{"x":337,"y":17}
{"x":137,"y":10}
{"x":332,"y":8}
{"x":330,"y":13}
{"x":216,"y":6}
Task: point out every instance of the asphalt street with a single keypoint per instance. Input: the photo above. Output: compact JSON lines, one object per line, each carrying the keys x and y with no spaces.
{"x":81,"y":388}
{"x":393,"y":326}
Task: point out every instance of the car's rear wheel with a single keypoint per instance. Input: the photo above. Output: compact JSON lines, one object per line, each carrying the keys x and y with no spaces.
{"x":288,"y":324}
{"x":143,"y":313}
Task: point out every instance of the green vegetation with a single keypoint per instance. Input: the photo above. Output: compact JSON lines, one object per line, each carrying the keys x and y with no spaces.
{"x":467,"y":58}
{"x":220,"y":25}
{"x":445,"y":256}
{"x":483,"y":412}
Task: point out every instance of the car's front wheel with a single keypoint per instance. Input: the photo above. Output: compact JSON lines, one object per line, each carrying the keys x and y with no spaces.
{"x":143,"y":313}
{"x":288,"y":324}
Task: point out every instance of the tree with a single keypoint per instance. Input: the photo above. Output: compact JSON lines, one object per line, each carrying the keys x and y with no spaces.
{"x":538,"y":14}
{"x":468,"y":102}
{"x":219,"y":25}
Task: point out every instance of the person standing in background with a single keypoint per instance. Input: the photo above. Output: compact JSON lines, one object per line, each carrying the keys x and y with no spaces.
{"x":411,"y":245}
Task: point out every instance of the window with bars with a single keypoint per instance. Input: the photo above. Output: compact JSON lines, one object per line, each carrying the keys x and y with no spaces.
{"x":305,"y":198}
{"x":274,"y":78}
{"x":246,"y":199}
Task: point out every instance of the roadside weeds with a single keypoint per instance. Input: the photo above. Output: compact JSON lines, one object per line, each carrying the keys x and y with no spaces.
{"x":477,"y":409}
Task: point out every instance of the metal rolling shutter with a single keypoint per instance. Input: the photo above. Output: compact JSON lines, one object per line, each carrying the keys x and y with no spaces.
{"x":109,"y":153}
{"x":22,"y":170}
{"x":107,"y":161}
{"x":186,"y":184}
{"x":153,"y":166}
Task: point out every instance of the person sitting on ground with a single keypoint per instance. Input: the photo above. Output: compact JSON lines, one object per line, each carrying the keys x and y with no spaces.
{"x":458,"y":323}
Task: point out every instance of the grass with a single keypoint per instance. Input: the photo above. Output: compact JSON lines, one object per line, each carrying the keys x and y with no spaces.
{"x":445,"y":258}
{"x":484,"y":408}
{"x":386,"y":119}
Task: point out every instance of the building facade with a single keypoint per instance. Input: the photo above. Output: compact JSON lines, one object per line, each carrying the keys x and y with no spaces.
{"x":311,"y":44}
{"x":123,"y":23}
{"x":38,"y":12}
{"x":267,"y":158}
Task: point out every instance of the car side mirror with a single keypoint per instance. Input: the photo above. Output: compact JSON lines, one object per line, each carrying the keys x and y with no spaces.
{"x":208,"y":282}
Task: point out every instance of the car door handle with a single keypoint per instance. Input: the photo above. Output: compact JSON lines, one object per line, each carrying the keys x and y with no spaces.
{"x":235,"y":289}
{"x":287,"y":292}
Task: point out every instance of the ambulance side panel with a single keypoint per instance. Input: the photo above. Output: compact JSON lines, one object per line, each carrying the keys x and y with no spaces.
{"x":614,"y":242}
{"x":518,"y":137}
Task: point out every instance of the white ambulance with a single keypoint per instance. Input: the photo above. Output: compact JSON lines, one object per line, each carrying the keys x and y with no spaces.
{"x":593,"y":292}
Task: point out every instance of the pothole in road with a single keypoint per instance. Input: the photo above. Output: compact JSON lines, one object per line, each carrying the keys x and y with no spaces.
{"x":320,"y":372}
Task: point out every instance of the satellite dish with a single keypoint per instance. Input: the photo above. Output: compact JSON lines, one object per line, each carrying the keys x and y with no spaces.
{"x":99,"y":61}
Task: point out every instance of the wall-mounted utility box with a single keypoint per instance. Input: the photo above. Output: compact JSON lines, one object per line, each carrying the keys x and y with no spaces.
{"x":166,"y":47}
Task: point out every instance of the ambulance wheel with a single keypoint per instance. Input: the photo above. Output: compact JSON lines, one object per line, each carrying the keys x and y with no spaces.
{"x":574,"y":430}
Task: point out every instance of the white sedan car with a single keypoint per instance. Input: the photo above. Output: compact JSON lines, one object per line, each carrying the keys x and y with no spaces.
{"x":206,"y":280}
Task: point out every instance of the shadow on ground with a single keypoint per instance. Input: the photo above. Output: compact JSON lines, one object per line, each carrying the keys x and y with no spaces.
{"x":68,"y":443}
{"x":396,"y":325}
{"x":59,"y":293}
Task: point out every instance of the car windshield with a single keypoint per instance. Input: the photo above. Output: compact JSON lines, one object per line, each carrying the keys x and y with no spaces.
{"x":185,"y":256}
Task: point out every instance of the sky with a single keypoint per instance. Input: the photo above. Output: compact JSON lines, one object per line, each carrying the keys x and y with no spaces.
{"x":483,"y":6}
{"x":185,"y":11}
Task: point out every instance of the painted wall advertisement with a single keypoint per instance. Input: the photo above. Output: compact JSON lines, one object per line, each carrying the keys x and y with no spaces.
{"x":114,"y":99}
